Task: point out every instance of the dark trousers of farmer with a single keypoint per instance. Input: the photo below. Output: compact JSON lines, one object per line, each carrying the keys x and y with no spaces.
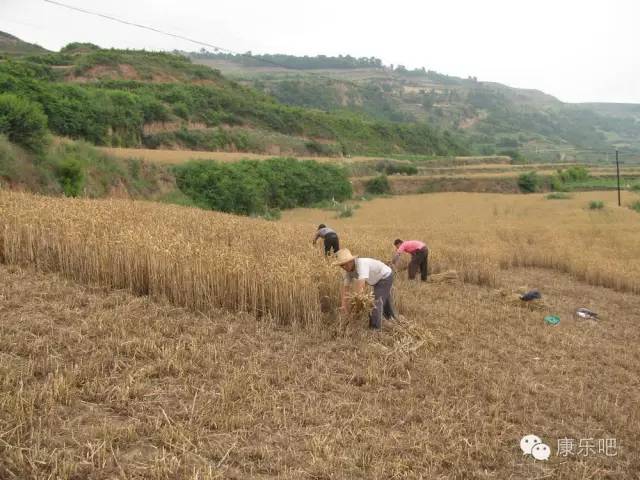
{"x":419,"y":260}
{"x":331,"y":242}
{"x":383,"y":303}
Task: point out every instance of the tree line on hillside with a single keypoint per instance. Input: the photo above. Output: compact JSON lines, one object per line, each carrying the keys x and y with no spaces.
{"x":290,"y":61}
{"x":318,"y":62}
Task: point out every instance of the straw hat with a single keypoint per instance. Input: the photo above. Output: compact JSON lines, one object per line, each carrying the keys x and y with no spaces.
{"x":343,"y":256}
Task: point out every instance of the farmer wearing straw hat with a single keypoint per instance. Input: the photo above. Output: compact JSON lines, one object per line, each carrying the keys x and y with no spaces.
{"x":330,"y":237}
{"x":419,"y":256}
{"x":357,"y":272}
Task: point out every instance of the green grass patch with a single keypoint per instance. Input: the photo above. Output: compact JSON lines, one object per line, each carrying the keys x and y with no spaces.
{"x":558,"y":196}
{"x":77,"y":169}
{"x":272,"y":214}
{"x":596,"y":205}
{"x":416,"y":158}
{"x":342,"y":209}
{"x":345,"y":211}
{"x":176,"y":197}
{"x":599,"y":183}
{"x":635,"y":206}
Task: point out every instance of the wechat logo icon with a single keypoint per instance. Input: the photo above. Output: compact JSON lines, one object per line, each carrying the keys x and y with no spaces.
{"x":532,"y":445}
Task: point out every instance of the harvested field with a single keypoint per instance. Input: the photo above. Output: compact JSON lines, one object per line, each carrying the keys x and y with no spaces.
{"x":180,"y":156}
{"x":543,"y":172}
{"x":159,"y":342}
{"x":504,"y":182}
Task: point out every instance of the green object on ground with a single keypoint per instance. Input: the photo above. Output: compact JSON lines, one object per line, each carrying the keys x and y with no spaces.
{"x":552,"y":320}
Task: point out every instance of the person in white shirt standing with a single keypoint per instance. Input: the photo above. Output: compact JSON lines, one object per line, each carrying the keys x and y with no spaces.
{"x":361,"y":271}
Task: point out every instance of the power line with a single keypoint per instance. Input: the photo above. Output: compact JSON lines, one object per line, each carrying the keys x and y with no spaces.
{"x":138,"y":25}
{"x":197,"y":42}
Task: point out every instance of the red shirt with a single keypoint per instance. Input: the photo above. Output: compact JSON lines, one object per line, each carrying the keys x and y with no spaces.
{"x":411,"y":246}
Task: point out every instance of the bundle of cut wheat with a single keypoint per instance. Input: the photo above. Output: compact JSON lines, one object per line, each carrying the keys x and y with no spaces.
{"x":450,"y":276}
{"x":360,"y":305}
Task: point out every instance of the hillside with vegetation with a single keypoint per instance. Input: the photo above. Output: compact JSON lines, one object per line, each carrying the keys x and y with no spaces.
{"x":55,"y":107}
{"x":494,"y":117}
{"x":10,"y":45}
{"x":77,"y":169}
{"x":134,"y":98}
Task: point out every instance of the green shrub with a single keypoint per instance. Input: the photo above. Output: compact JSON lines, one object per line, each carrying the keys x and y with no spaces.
{"x":345,"y":211}
{"x":318,"y":148}
{"x":596,"y":205}
{"x":529,"y":182}
{"x":635,"y":187}
{"x":20,"y":167}
{"x":396,"y":168}
{"x":635,"y":206}
{"x":272,"y":214}
{"x":100,"y":172}
{"x":78,"y":46}
{"x":70,"y":174}
{"x":8,"y":160}
{"x":252,"y":187}
{"x":402,"y":169}
{"x":558,"y":196}
{"x":516,"y":156}
{"x":378,"y":185}
{"x":557,"y":184}
{"x":326,"y":205}
{"x":181,"y":110}
{"x":23,"y":122}
{"x":176,"y":197}
{"x":573,"y":174}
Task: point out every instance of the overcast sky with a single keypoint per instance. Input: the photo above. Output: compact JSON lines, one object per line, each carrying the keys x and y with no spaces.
{"x":577,"y":50}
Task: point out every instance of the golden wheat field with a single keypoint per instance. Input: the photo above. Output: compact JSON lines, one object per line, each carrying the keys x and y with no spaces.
{"x":479,"y":233}
{"x":167,"y":156}
{"x":180,"y":156}
{"x":149,"y":341}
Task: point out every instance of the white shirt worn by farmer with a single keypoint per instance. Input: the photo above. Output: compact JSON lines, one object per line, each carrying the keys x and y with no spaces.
{"x":367,"y":269}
